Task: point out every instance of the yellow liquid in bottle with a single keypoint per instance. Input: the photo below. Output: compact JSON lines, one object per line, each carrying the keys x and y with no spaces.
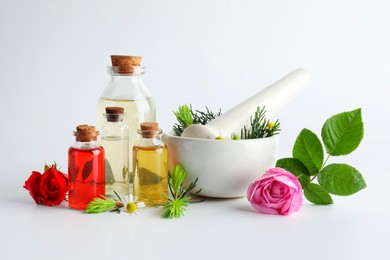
{"x":150,"y":174}
{"x":137,"y":111}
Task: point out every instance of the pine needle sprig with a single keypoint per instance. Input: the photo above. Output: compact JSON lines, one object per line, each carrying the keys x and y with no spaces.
{"x":104,"y":204}
{"x":175,"y":209}
{"x":186,"y":116}
{"x":100,"y":205}
{"x":260,"y":127}
{"x":178,"y":197}
{"x":203,"y":117}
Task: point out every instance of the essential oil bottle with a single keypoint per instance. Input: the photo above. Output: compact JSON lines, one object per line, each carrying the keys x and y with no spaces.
{"x":85,"y":168}
{"x":115,"y":141}
{"x":128,"y":90}
{"x":150,"y":167}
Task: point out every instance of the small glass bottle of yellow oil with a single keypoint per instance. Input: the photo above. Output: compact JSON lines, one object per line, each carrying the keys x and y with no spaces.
{"x":150,"y":169}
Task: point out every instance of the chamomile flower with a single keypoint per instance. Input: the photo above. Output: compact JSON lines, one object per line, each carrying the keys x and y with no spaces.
{"x":131,"y":205}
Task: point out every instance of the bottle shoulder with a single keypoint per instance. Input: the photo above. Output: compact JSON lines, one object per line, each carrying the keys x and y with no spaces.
{"x":126,"y":89}
{"x":114,"y":129}
{"x":150,"y":143}
{"x":85,"y":146}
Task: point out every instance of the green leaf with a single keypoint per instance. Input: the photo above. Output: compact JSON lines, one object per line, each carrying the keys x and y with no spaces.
{"x":297,"y":168}
{"x":293,"y":165}
{"x":304,"y":180}
{"x":341,"y":179}
{"x":308,"y":150}
{"x":47,"y":167}
{"x":317,"y":195}
{"x":342,"y":133}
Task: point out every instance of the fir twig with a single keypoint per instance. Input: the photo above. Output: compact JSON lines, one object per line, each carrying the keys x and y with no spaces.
{"x":186,"y":116}
{"x":116,"y":194}
{"x":260,"y":127}
{"x":100,"y":205}
{"x":203,"y":117}
{"x":178,"y":198}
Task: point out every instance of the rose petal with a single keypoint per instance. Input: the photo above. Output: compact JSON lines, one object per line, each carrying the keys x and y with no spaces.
{"x":251,"y":189}
{"x":287,"y":180}
{"x":53,"y":187}
{"x":32,"y":185}
{"x":277,"y":189}
{"x":265,"y":209}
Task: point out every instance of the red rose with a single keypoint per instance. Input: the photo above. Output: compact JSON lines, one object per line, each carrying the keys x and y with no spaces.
{"x":32,"y":185}
{"x":49,"y":188}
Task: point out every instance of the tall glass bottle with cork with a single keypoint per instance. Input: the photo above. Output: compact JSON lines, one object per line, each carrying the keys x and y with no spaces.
{"x":115,"y":141}
{"x":150,"y":159}
{"x":128,"y":90}
{"x":85,"y":168}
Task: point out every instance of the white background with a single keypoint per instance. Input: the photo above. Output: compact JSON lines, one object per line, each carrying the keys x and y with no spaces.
{"x":53,"y":58}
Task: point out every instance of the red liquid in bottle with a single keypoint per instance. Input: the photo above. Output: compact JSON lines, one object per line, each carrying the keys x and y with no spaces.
{"x":86,"y":176}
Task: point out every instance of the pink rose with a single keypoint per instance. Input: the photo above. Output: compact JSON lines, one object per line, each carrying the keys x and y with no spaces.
{"x":276,"y":192}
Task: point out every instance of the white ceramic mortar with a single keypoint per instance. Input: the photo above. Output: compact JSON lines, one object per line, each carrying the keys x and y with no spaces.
{"x":225,"y":168}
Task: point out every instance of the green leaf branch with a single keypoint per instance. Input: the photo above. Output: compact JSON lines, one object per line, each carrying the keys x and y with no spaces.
{"x":341,"y":134}
{"x":186,"y":116}
{"x":178,"y":197}
{"x":260,"y":126}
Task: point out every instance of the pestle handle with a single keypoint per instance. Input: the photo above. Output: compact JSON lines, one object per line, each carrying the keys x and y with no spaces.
{"x":274,"y":98}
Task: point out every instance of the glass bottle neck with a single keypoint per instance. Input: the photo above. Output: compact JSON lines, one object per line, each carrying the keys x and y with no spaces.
{"x":114,"y":118}
{"x":136,"y":71}
{"x":128,"y":86}
{"x":126,"y":77}
{"x":150,"y":142}
{"x":120,"y":122}
{"x":86,"y":145}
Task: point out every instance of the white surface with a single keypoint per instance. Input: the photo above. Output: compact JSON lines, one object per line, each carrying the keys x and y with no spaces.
{"x":53,"y":58}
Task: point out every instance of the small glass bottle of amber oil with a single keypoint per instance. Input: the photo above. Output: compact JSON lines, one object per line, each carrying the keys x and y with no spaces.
{"x":150,"y":169}
{"x":85,"y":168}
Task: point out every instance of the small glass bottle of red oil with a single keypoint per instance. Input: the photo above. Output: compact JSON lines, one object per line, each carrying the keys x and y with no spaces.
{"x":85,"y":168}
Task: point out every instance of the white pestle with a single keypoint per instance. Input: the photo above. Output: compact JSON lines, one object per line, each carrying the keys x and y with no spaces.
{"x":274,"y":98}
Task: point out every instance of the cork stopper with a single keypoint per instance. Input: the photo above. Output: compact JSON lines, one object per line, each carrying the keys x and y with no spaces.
{"x":149,"y":129}
{"x":85,"y":133}
{"x":114,"y":114}
{"x":125,"y":64}
{"x":115,"y":110}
